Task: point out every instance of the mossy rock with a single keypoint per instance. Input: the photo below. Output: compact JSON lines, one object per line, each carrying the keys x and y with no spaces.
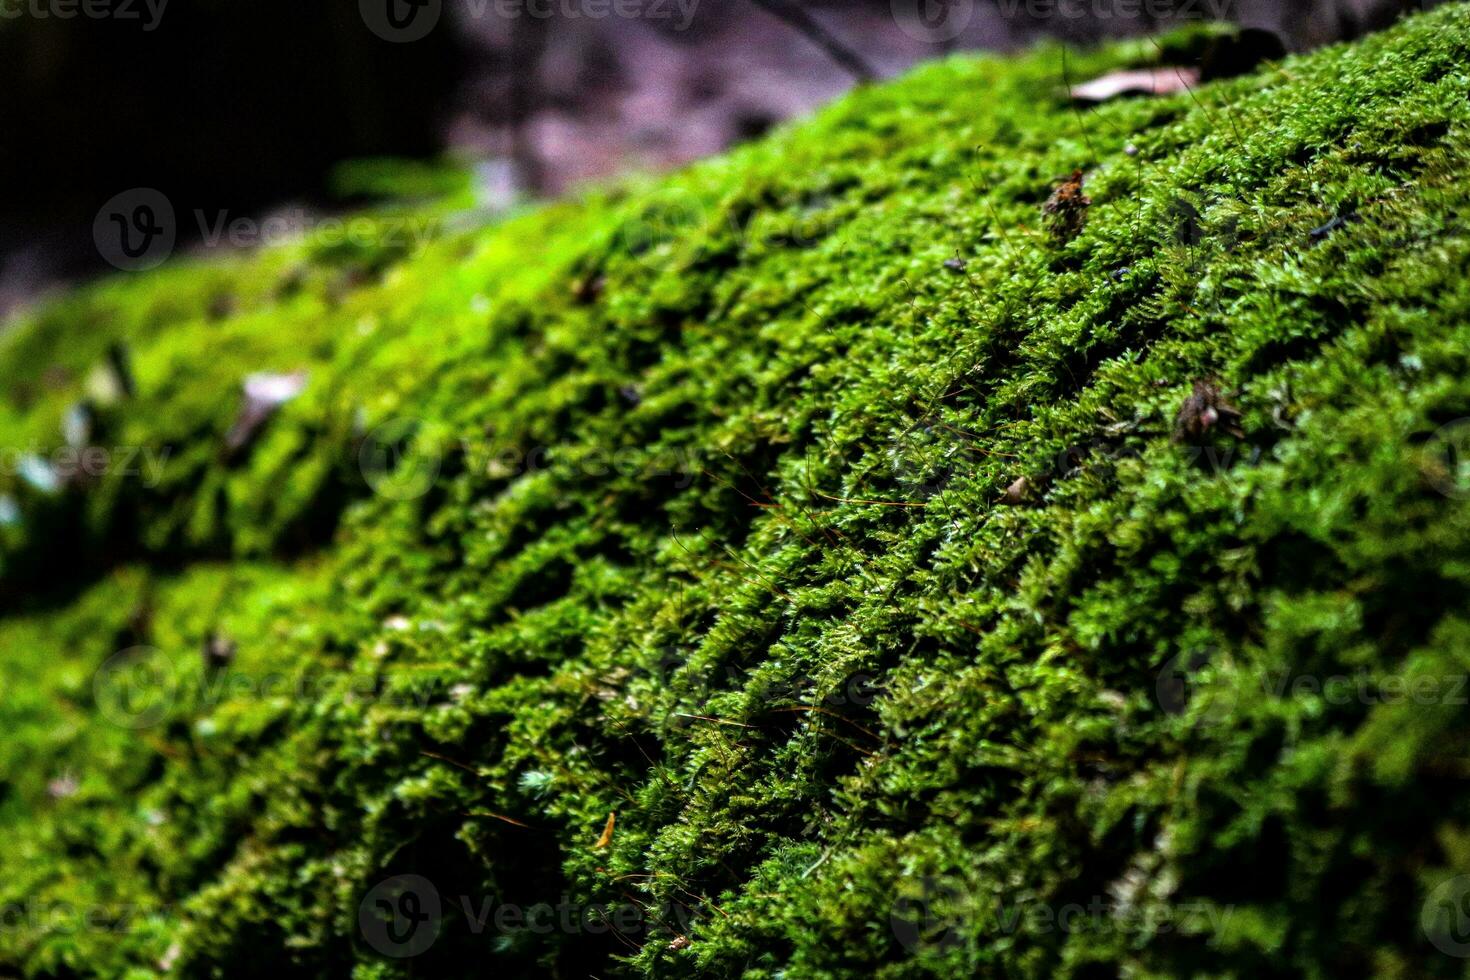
{"x":922,"y":591}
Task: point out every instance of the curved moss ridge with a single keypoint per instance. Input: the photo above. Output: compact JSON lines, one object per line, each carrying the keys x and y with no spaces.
{"x":713,"y":518}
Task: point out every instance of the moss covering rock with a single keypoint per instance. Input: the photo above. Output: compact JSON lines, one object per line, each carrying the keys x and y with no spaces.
{"x":811,"y":564}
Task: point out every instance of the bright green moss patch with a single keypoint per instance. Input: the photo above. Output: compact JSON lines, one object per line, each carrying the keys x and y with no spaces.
{"x":819,"y":515}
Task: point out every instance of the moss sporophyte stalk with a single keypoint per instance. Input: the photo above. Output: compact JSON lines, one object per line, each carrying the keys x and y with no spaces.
{"x":832,"y":553}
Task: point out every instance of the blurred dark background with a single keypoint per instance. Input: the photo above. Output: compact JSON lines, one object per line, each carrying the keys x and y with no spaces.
{"x":241,"y":106}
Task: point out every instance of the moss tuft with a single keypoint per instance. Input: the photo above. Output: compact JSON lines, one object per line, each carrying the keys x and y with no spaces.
{"x":923,"y":593}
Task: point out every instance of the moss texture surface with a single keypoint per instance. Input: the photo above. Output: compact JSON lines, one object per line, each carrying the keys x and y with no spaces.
{"x":887,"y":556}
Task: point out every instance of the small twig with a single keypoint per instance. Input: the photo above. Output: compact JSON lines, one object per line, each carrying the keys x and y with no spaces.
{"x":453,"y":762}
{"x":818,"y":709}
{"x":794,"y":15}
{"x":716,"y":563}
{"x":654,"y":765}
{"x":984,"y":193}
{"x":820,"y":861}
{"x":876,"y":503}
{"x":499,"y":816}
{"x":717,"y":721}
{"x":1081,"y":124}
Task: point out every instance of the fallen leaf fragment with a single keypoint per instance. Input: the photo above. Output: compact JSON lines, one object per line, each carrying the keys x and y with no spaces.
{"x":1136,"y":81}
{"x":265,"y":393}
{"x":607,"y":832}
{"x":170,"y":957}
{"x":219,"y":651}
{"x":111,"y":381}
{"x":63,"y":786}
{"x":1204,"y":409}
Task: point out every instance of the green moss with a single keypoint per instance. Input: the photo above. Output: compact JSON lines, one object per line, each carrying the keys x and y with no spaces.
{"x":892,"y":606}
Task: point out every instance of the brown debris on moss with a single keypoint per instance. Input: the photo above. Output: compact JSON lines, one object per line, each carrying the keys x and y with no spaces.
{"x":1066,"y":209}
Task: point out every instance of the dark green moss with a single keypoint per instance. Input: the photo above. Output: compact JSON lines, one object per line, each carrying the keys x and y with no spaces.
{"x":897,"y":606}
